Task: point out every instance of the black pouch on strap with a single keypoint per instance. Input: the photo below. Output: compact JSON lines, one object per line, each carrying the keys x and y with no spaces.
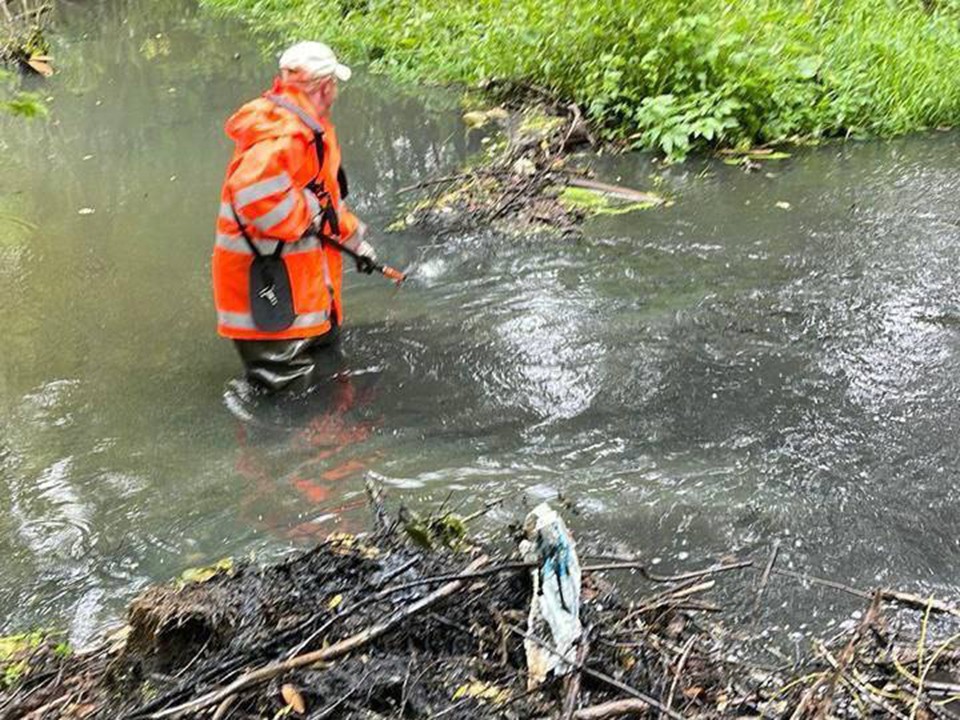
{"x":271,"y":297}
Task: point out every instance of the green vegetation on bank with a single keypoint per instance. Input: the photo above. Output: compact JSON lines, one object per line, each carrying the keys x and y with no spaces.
{"x":667,"y":74}
{"x":18,"y":102}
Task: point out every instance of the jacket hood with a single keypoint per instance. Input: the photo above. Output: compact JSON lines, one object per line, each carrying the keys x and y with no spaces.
{"x":260,"y":119}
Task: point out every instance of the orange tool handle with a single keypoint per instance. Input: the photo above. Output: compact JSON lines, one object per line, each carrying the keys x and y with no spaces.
{"x":392,"y":273}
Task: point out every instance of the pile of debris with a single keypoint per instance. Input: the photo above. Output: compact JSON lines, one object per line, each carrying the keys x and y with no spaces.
{"x":523,"y":181}
{"x":378,"y":627}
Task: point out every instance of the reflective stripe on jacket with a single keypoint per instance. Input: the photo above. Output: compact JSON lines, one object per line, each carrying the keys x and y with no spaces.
{"x":274,"y":160}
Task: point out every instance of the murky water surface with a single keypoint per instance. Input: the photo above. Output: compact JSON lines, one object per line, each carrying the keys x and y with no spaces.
{"x":699,"y":380}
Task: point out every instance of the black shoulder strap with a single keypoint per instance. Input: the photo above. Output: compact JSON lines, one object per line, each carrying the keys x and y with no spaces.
{"x":253,"y":248}
{"x":307,"y":120}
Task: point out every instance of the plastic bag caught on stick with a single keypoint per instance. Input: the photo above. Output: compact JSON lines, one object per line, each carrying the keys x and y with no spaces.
{"x":556,"y":593}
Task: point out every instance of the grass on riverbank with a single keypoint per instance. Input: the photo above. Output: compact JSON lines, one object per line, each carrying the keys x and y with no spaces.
{"x":667,"y":74}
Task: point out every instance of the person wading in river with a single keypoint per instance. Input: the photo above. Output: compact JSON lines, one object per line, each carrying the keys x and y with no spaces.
{"x":276,"y":280}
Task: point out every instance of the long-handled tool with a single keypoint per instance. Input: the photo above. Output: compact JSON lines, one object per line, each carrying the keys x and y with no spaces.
{"x":388,"y":272}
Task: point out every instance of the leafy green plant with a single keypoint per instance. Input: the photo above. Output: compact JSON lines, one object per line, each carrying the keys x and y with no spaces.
{"x":16,"y":102}
{"x":669,"y":75}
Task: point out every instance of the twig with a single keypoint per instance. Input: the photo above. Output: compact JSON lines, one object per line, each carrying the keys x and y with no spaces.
{"x":487,"y":507}
{"x":629,"y":563}
{"x":495,"y":570}
{"x":433,"y":181}
{"x":332,"y":652}
{"x":615,"y":708}
{"x":360,"y":683}
{"x":224,"y":707}
{"x":765,"y":578}
{"x":918,"y":602}
{"x":573,"y":680}
{"x":669,"y":596}
{"x":921,"y":642}
{"x":40,"y":711}
{"x":847,"y":655}
{"x":822,"y":581}
{"x":909,"y":657}
{"x":351,"y":610}
{"x":222,"y":669}
{"x":864,"y":688}
{"x":899,"y":596}
{"x":195,"y":658}
{"x":712,"y":570}
{"x":687,"y":647}
{"x":652,"y":702}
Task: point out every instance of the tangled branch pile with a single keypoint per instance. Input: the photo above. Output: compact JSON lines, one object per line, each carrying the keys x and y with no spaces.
{"x":523,"y":181}
{"x":374,"y":628}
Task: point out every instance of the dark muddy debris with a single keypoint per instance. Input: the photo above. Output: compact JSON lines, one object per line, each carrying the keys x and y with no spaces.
{"x":377,"y":627}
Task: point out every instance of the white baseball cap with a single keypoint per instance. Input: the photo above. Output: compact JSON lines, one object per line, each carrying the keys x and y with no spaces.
{"x":313,"y":59}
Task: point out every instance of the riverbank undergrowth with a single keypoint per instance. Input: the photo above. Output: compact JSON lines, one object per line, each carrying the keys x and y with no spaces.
{"x":666,"y":74}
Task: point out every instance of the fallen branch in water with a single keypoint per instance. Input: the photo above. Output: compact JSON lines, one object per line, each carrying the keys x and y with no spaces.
{"x":625,"y":193}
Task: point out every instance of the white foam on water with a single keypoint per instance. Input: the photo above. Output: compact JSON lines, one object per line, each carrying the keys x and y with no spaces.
{"x":429,"y":269}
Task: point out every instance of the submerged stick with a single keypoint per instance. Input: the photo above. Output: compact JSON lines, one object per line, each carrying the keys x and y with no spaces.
{"x":766,"y":575}
{"x":327,"y":654}
{"x":616,"y":190}
{"x":904,"y":598}
{"x":631,"y":564}
{"x":822,"y":581}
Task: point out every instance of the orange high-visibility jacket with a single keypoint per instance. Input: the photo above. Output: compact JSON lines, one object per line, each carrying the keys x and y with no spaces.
{"x":274,"y":160}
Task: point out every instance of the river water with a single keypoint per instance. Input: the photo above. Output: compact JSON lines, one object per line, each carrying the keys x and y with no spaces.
{"x":773,"y":357}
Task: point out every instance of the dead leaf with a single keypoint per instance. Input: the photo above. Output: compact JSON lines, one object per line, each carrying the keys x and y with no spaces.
{"x":693,"y":692}
{"x":40,"y":67}
{"x":484,"y":692}
{"x":293,"y":698}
